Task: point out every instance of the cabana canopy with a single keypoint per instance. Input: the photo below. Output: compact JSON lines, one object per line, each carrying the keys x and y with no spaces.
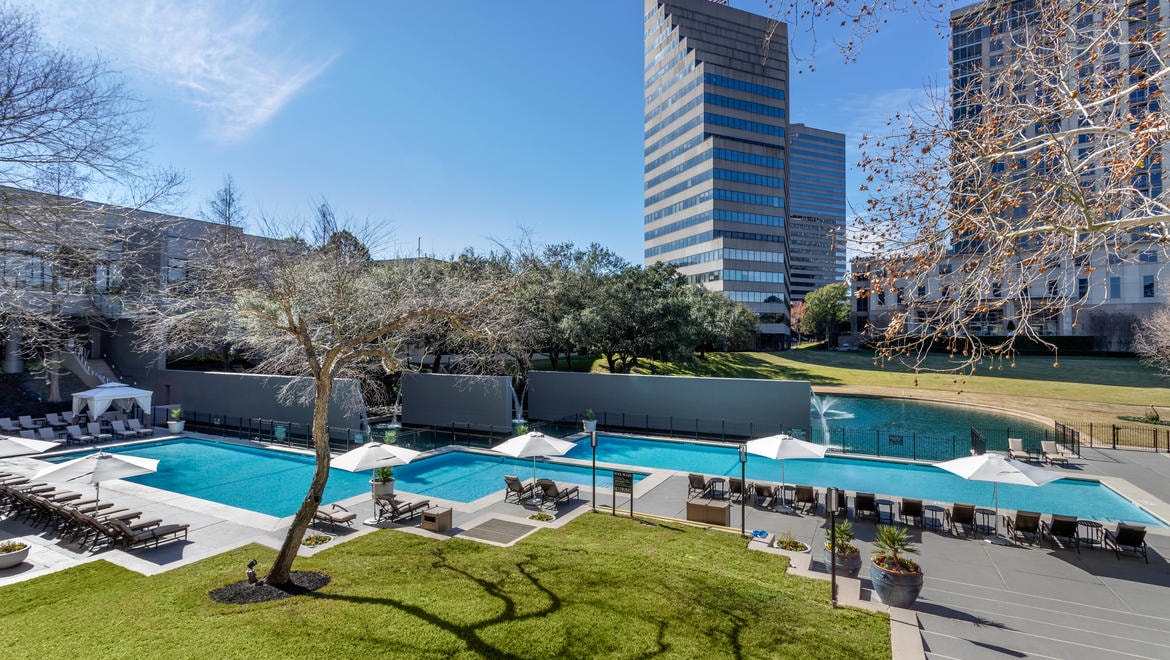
{"x":103,"y":397}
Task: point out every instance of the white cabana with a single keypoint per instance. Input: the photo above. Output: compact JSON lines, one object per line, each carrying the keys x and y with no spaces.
{"x":105,"y":396}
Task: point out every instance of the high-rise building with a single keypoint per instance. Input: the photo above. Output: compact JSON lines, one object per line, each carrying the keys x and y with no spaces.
{"x":717,"y":146}
{"x":816,"y":209}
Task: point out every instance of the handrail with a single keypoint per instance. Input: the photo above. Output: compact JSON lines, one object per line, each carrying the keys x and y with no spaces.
{"x":82,"y":354}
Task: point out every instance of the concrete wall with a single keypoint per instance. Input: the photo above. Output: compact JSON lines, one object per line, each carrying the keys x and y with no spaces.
{"x":716,"y":406}
{"x":253,"y":395}
{"x":482,"y":403}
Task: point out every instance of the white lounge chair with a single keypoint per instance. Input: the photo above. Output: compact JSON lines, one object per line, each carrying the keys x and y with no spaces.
{"x":55,"y":420}
{"x":138,"y":428}
{"x":1016,"y":449}
{"x":95,"y":429}
{"x":1054,"y":453}
{"x":121,"y":430}
{"x":75,"y":434}
{"x":6,"y":424}
{"x":47,"y":433}
{"x":26,"y":422}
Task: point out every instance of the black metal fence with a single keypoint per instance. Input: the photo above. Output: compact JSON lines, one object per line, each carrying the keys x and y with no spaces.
{"x":1119,"y":436}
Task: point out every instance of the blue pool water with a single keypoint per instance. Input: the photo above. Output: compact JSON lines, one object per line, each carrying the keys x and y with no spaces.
{"x":1072,"y":497}
{"x":905,"y":416}
{"x":275,"y":482}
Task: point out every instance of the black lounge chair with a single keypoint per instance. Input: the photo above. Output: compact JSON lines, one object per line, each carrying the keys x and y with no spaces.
{"x":764,"y":494}
{"x":962,"y":516}
{"x":910,"y":509}
{"x":1128,"y":538}
{"x":697,"y":484}
{"x":865,"y":504}
{"x":518,"y":489}
{"x":1063,"y":528}
{"x":1026,"y":525}
{"x":130,"y":536}
{"x":336,"y":515}
{"x":807,"y":497}
{"x":391,"y":509}
{"x":736,"y":489}
{"x":550,"y":491}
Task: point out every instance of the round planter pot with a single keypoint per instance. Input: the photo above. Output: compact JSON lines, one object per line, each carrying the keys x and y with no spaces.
{"x":382,"y":489}
{"x":176,"y":427}
{"x":590,"y":425}
{"x":847,"y":565}
{"x":895,"y":589}
{"x":10,"y":559}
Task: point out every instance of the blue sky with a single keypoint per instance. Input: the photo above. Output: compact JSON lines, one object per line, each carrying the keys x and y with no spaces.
{"x":457,"y":122}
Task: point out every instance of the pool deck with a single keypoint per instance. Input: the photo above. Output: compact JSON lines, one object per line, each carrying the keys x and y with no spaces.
{"x":979,"y":600}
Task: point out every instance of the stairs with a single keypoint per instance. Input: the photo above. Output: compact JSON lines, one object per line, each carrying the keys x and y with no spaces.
{"x":91,"y":372}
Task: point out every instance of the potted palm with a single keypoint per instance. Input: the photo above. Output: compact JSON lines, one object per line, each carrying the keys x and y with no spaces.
{"x":12,"y":552}
{"x":382,"y":485}
{"x":896,"y":579}
{"x":176,"y":424}
{"x":844,"y":554}
{"x":589,"y":420}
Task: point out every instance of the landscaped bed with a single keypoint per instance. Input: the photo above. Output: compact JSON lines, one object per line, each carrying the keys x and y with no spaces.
{"x":601,"y":586}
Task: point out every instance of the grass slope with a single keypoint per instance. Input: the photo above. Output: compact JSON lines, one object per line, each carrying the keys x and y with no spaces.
{"x":601,"y":586}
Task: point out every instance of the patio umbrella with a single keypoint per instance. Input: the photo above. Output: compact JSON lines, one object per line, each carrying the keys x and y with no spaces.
{"x":373,"y":455}
{"x":781,"y":447}
{"x":998,"y":469}
{"x":534,"y":444}
{"x":96,"y":468}
{"x":17,"y":446}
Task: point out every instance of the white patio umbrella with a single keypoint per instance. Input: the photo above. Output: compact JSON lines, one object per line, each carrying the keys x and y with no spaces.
{"x":998,"y":469}
{"x":781,"y":447}
{"x":10,"y":446}
{"x":373,"y":455}
{"x":96,"y":468}
{"x":534,"y":444}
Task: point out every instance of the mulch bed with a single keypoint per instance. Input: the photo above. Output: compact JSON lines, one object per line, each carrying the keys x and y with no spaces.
{"x":246,"y":593}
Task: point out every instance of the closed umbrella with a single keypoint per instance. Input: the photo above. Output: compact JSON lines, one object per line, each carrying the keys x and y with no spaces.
{"x":96,"y":468}
{"x":781,"y":447}
{"x":534,"y":444}
{"x":17,"y":446}
{"x":998,"y":469}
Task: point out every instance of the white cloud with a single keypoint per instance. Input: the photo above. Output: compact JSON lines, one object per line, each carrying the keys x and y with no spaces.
{"x":233,"y":63}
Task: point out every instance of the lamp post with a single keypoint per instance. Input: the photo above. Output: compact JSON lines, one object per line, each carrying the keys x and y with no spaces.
{"x":742,"y":488}
{"x":831,"y":501}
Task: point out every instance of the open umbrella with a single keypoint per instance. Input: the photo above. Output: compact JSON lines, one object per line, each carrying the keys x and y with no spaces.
{"x":998,"y":469}
{"x":781,"y":447}
{"x":373,"y":455}
{"x":10,"y":446}
{"x":96,"y":468}
{"x":534,"y":444}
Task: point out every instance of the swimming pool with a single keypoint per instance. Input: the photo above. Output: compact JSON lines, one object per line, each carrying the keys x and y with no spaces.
{"x":1072,"y":497}
{"x":275,"y":482}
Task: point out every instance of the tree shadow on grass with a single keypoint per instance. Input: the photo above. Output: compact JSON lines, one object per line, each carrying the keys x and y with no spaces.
{"x":740,"y":365}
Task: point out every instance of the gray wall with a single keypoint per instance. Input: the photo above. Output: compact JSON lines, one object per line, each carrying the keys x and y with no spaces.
{"x":732,"y":406}
{"x":481,"y":403}
{"x":253,"y":395}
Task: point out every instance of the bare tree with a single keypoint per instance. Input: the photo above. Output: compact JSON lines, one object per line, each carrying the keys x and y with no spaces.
{"x":1151,"y":340}
{"x":320,"y":313}
{"x":1040,"y":167}
{"x":226,"y":206}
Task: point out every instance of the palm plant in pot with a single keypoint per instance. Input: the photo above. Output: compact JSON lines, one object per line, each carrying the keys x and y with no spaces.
{"x":896,"y":579}
{"x":382,"y":485}
{"x":176,"y":424}
{"x":844,"y":554}
{"x":589,"y":420}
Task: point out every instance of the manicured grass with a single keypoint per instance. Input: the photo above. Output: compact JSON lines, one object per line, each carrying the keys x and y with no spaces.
{"x":601,"y":586}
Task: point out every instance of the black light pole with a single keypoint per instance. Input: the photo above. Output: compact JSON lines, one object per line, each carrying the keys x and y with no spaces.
{"x":742,"y":489}
{"x":831,"y":496}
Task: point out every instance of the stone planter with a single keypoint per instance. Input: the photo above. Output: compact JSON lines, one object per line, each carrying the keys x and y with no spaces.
{"x":10,"y":559}
{"x":176,"y":427}
{"x":847,"y":565}
{"x":895,"y":589}
{"x":590,"y":425}
{"x":382,"y":488}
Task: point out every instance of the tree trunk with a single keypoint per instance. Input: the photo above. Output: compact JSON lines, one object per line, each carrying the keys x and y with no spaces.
{"x":437,"y":364}
{"x":569,"y":361}
{"x":282,"y":565}
{"x":53,"y":366}
{"x":553,"y":358}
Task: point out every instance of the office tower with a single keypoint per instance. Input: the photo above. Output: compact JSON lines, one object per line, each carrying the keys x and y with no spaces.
{"x":816,"y":209}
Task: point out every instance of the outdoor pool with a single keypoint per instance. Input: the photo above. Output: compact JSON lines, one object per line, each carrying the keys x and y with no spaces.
{"x":1073,"y":497}
{"x":274,"y":482}
{"x":856,"y":414}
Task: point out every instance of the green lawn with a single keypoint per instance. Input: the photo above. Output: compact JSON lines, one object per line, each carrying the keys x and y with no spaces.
{"x":602,"y":586}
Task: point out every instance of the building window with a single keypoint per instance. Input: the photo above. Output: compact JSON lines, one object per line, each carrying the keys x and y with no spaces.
{"x":996,"y":290}
{"x":1082,"y":287}
{"x":1052,"y":288}
{"x":1147,"y":286}
{"x":921,"y":290}
{"x":1115,"y":288}
{"x":1148,"y":257}
{"x":881,"y":298}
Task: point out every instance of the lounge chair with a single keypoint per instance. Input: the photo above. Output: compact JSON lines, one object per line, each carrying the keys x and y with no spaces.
{"x":807,"y":497}
{"x":697,"y":484}
{"x":962,"y":516}
{"x":518,"y":489}
{"x":910,"y":509}
{"x":95,"y":429}
{"x":1128,"y":538}
{"x":1026,"y":525}
{"x":1016,"y":450}
{"x":132,"y":536}
{"x":54,"y":420}
{"x":137,"y":427}
{"x":336,"y":515}
{"x":28,"y":433}
{"x":47,"y":433}
{"x":1054,"y":453}
{"x":764,"y":494}
{"x":550,"y":491}
{"x":391,"y":509}
{"x":736,"y":490}
{"x":842,"y":502}
{"x":26,"y":422}
{"x":865,"y":504}
{"x":120,"y":429}
{"x":1063,"y":528}
{"x":69,"y":417}
{"x":75,"y":434}
{"x":6,"y":424}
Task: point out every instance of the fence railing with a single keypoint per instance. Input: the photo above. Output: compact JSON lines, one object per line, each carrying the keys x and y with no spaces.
{"x":1120,"y":436}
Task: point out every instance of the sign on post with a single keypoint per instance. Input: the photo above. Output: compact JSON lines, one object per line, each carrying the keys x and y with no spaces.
{"x":623,"y":482}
